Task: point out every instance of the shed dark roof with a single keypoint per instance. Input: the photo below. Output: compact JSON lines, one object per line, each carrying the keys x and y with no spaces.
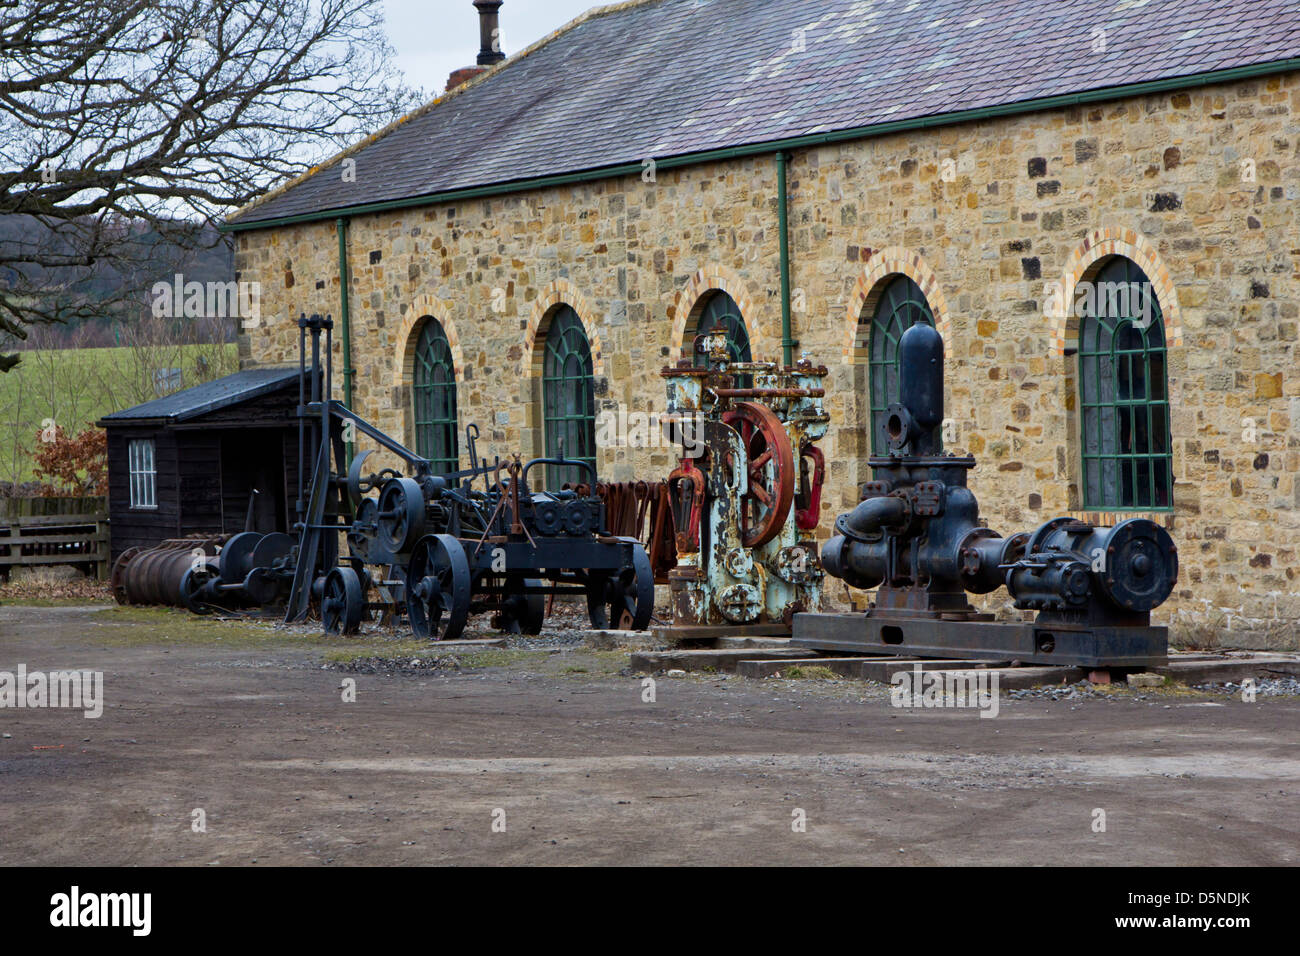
{"x":660,"y":78}
{"x":209,"y":397}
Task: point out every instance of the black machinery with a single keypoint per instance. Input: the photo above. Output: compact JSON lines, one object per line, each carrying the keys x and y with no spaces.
{"x":916,"y":537}
{"x":431,"y":549}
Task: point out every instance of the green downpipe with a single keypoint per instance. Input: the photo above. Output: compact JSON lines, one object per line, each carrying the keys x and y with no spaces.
{"x":345,"y":322}
{"x":783,"y":224}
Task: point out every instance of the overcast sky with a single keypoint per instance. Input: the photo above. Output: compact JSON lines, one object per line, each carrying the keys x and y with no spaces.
{"x":434,"y":37}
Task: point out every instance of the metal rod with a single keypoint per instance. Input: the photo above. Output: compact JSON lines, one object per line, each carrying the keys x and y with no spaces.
{"x":769,"y":392}
{"x":300,"y":505}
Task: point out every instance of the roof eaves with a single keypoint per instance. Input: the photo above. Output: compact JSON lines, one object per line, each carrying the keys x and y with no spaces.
{"x":809,"y":138}
{"x":262,"y":388}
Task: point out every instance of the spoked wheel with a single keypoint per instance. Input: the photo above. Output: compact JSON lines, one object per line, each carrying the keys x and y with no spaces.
{"x":438,"y":588}
{"x":767,"y":503}
{"x":343,"y":602}
{"x":626,"y":600}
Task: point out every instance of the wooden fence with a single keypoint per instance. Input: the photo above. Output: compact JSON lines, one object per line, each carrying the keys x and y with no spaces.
{"x":36,"y":531}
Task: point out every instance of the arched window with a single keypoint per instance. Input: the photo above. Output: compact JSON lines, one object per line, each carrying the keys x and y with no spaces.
{"x":568,"y":397}
{"x":434,"y":396}
{"x":900,"y":304}
{"x":1123,"y":386}
{"x":721,"y":312}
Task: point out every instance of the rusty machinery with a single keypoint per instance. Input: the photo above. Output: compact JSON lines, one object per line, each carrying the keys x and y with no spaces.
{"x":162,"y":574}
{"x":425,"y":548}
{"x":916,"y":537}
{"x":746,"y":494}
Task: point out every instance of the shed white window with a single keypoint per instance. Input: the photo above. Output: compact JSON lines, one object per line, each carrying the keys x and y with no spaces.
{"x":144,"y":476}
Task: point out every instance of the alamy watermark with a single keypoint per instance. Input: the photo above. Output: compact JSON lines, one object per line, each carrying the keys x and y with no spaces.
{"x":77,"y":909}
{"x":208,"y":300}
{"x":621,"y":428}
{"x":1135,"y":301}
{"x":921,"y":688}
{"x":77,"y":690}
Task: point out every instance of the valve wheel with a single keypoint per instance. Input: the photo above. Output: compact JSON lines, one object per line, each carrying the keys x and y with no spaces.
{"x":343,"y":602}
{"x":438,"y":588}
{"x":767,"y":502}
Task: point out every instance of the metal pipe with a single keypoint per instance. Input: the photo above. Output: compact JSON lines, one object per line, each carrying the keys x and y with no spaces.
{"x":317,"y":377}
{"x":783,"y":225}
{"x":489,"y":29}
{"x":769,"y":392}
{"x":300,"y":505}
{"x":345,"y":322}
{"x":872,"y":515}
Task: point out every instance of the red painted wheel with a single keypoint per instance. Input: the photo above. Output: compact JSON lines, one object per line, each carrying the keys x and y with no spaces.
{"x":767,"y":503}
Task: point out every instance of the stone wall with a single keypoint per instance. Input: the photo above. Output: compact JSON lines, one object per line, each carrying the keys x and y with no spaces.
{"x":997,"y":222}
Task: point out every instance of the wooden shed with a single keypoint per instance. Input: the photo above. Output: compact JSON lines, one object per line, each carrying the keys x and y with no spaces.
{"x":190,"y":462}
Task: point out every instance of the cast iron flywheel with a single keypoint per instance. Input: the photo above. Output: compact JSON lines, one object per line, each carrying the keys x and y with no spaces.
{"x":766,"y":504}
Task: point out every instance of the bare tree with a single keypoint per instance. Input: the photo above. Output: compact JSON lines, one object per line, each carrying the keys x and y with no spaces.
{"x":162,"y":355}
{"x":115,"y":113}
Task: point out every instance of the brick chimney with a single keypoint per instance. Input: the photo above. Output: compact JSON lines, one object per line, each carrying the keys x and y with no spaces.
{"x":489,"y":52}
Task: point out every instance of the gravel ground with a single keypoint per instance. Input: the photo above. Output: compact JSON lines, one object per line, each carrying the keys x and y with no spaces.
{"x":407,"y":666}
{"x":1272,"y":687}
{"x":1083,"y":690}
{"x":420,"y":762}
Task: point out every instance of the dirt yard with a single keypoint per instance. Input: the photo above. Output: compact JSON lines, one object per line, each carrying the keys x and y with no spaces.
{"x":249,"y":725}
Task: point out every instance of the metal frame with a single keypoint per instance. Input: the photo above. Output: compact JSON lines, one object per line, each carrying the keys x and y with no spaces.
{"x":1124,"y":423}
{"x":433,"y":399}
{"x":1068,"y":645}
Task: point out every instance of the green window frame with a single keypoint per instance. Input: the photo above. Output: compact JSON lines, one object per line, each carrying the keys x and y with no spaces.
{"x":720,"y":311}
{"x":568,"y":397}
{"x":1123,"y":393}
{"x":433,"y":395}
{"x":899,"y":305}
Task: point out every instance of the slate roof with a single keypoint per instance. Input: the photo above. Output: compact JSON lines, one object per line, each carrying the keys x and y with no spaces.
{"x":660,"y":78}
{"x":209,"y":397}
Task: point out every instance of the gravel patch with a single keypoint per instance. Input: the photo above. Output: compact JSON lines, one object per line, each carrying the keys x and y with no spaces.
{"x":1269,"y":687}
{"x":410,"y":666}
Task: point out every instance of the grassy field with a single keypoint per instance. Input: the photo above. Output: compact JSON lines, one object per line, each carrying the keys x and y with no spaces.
{"x":75,"y":387}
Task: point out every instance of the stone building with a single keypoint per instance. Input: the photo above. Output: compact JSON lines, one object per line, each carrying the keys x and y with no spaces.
{"x":1096,"y":202}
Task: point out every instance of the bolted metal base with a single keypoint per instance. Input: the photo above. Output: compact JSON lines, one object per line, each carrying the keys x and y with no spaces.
{"x":1075,"y":645}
